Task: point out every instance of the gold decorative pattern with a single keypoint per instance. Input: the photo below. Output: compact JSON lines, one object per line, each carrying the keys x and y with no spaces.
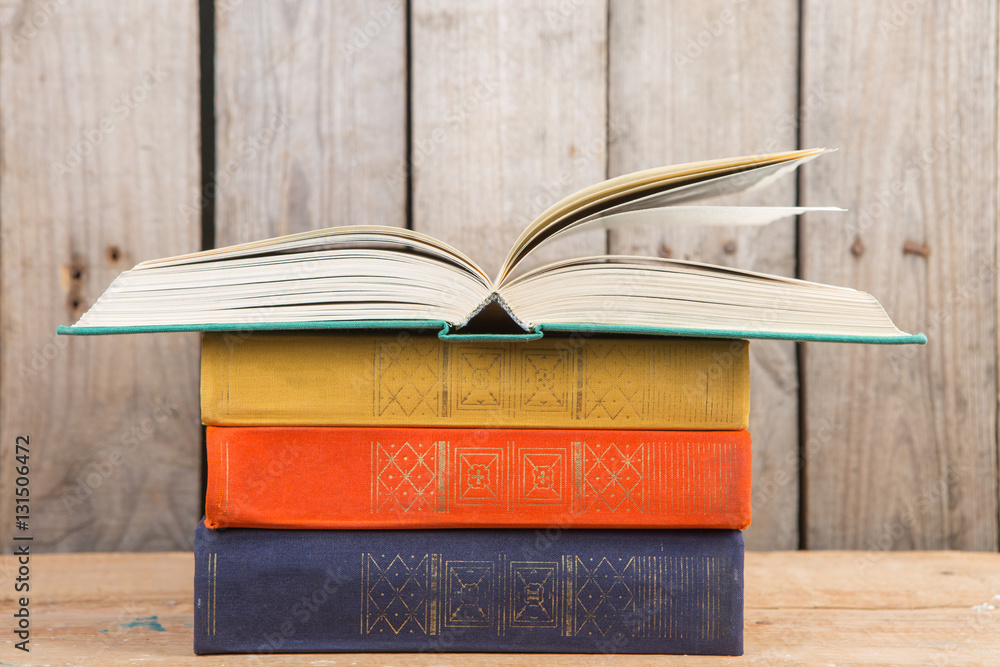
{"x":480,"y":378}
{"x":601,"y":597}
{"x":212,"y":567}
{"x":542,"y":474}
{"x":684,"y":466}
{"x":400,"y":594}
{"x":409,"y":378}
{"x":469,"y":596}
{"x":480,"y":475}
{"x":612,"y":391}
{"x":406,"y":477}
{"x":534,"y":594}
{"x":545,"y":380}
{"x":612,"y":478}
{"x":591,"y":476}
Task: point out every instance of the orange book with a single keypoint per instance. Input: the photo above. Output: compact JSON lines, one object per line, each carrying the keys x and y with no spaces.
{"x":343,"y":477}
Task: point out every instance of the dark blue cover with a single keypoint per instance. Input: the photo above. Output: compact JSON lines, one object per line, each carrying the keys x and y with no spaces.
{"x":565,"y":591}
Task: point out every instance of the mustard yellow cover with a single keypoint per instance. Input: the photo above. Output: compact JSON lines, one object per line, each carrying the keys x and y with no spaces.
{"x":404,"y":379}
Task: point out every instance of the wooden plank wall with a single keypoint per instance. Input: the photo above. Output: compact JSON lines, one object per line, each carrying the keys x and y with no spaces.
{"x":464,"y":120}
{"x":310,"y":118}
{"x":901,"y":442}
{"x":99,"y":129}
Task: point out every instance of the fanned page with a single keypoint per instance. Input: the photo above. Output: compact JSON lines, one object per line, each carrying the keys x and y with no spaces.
{"x":359,"y":274}
{"x":304,"y":241}
{"x":652,"y":189}
{"x":702,"y":216}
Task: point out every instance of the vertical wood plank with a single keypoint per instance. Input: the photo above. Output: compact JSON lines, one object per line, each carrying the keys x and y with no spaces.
{"x":509,"y":115}
{"x":901,"y":442}
{"x":99,"y":137}
{"x":311,"y":116}
{"x":693,"y":81}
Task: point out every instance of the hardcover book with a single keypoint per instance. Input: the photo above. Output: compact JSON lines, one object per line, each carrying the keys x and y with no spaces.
{"x":341,"y":379}
{"x":280,"y":477}
{"x":370,"y":276}
{"x":565,"y":591}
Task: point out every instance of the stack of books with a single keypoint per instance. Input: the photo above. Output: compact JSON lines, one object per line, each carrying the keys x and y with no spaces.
{"x":405,"y":455}
{"x":441,"y":489}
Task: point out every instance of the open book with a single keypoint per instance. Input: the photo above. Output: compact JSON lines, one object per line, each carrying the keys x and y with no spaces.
{"x":371,"y":276}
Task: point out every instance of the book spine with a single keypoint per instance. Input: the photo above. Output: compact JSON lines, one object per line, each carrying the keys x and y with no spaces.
{"x":267,"y":591}
{"x":341,"y":477}
{"x":333,"y":379}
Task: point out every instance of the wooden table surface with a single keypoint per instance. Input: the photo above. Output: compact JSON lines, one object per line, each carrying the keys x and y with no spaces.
{"x":802,"y":608}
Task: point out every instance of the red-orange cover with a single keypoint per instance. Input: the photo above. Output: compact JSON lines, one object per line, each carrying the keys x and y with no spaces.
{"x":334,"y":477}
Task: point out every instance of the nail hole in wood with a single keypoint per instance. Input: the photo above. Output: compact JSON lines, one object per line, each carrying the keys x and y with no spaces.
{"x":729,"y":248}
{"x":914,"y":248}
{"x":858,"y":247}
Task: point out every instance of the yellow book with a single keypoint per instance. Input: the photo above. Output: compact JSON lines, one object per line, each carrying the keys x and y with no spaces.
{"x":405,"y":379}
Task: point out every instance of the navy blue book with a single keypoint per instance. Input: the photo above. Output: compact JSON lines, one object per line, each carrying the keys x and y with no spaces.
{"x":565,"y":591}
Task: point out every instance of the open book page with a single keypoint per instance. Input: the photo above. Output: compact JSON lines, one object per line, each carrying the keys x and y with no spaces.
{"x":360,"y":235}
{"x":737,"y":216}
{"x":632,"y":188}
{"x":712,"y":185}
{"x":686,"y":296}
{"x":345,"y":282}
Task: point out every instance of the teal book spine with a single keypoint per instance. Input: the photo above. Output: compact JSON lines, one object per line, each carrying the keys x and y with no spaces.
{"x":446,"y":332}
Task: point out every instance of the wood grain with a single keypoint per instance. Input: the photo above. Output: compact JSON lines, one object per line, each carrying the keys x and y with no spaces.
{"x":509,"y":115}
{"x":99,"y":134}
{"x":802,"y":608}
{"x":901,"y":442}
{"x":310,"y":116}
{"x":693,"y":81}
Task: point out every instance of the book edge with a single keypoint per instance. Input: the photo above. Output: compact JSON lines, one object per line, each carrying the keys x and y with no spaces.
{"x":444,"y":331}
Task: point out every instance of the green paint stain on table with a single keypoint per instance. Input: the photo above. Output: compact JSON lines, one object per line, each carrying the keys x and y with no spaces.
{"x":147,"y":622}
